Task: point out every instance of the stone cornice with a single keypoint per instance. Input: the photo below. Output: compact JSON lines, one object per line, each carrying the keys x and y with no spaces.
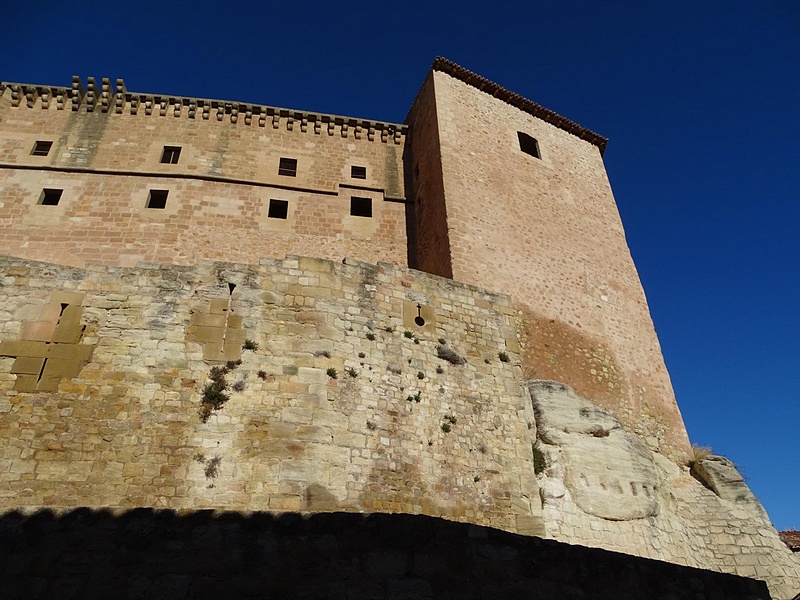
{"x":489,"y":87}
{"x":107,"y":99}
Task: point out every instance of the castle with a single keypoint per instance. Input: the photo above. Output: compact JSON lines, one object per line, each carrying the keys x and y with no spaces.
{"x":439,"y":317}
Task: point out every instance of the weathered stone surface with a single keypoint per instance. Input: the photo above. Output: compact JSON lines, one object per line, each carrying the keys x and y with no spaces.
{"x":609,"y":472}
{"x":721,"y":475}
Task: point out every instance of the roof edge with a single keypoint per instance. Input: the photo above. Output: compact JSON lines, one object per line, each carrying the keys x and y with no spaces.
{"x":444,"y":65}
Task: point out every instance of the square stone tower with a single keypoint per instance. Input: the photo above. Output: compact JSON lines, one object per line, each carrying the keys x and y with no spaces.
{"x":513,"y":197}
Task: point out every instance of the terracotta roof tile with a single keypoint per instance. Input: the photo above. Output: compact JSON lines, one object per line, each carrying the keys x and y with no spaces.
{"x":791,"y":538}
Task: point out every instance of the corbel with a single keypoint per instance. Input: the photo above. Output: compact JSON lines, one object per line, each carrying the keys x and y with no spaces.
{"x":31,"y":93}
{"x":192,"y":108}
{"x":357,"y":132}
{"x":276,"y":121}
{"x":91,"y":94}
{"x":162,"y":109}
{"x":46,"y":97}
{"x":304,"y":124}
{"x":384,"y":134}
{"x":16,"y":95}
{"x":120,"y":97}
{"x":248,"y":115}
{"x":60,"y":102}
{"x":177,"y":107}
{"x":105,"y":94}
{"x":317,"y":126}
{"x":234,"y":113}
{"x":134,"y":104}
{"x":148,"y":106}
{"x":206,"y":111}
{"x":262,"y":118}
{"x":331,"y":126}
{"x":371,"y":133}
{"x":220,"y":111}
{"x":76,"y":92}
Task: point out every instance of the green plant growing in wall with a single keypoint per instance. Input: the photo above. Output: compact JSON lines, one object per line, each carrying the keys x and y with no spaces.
{"x":250,"y":345}
{"x":351,"y":371}
{"x":439,"y":369}
{"x":408,"y":335}
{"x":389,"y":329}
{"x":503,"y":357}
{"x":361,"y":355}
{"x":451,"y":418}
{"x":370,"y":336}
{"x":213,"y":394}
{"x":415,"y":397}
{"x":332,"y":373}
{"x":446,"y":427}
{"x":262,"y":375}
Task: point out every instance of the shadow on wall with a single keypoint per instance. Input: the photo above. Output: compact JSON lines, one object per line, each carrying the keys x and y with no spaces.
{"x":146,"y":553}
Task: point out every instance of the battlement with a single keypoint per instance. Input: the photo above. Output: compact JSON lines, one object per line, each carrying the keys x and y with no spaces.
{"x":117,"y":99}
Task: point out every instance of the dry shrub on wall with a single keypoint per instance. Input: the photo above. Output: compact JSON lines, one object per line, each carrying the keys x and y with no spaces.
{"x":699,"y":454}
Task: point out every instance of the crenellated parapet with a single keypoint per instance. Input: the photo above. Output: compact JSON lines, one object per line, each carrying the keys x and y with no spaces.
{"x":105,"y":98}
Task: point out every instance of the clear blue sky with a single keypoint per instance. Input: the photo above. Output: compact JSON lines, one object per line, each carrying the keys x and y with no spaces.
{"x":700,"y":100}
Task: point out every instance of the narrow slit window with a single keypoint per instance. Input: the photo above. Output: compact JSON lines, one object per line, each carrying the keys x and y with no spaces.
{"x":41,"y":148}
{"x":157,"y":199}
{"x":528,"y":144}
{"x":358,"y":172}
{"x":288,"y":167}
{"x":50,"y":197}
{"x":171,"y":155}
{"x":360,"y":207}
{"x":278,"y":209}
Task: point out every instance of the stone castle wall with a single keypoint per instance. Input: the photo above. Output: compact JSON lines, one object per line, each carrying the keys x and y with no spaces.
{"x":103,"y":371}
{"x":123,"y":429}
{"x":547,"y":232}
{"x":106,"y":163}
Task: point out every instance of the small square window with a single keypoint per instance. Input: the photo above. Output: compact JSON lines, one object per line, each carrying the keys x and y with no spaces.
{"x":171,"y":155}
{"x":360,"y":207}
{"x":50,"y":197}
{"x":528,"y":144}
{"x":288,"y":167}
{"x":278,"y":209}
{"x":358,"y":172}
{"x":157,"y":199}
{"x":41,"y":148}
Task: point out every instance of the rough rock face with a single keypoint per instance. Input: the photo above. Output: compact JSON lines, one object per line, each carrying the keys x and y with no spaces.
{"x":720,"y":474}
{"x":609,"y":472}
{"x":603,"y":487}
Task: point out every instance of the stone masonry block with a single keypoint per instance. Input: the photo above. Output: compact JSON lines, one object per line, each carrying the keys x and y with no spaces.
{"x":208,"y":320}
{"x":71,"y":298}
{"x":219,"y":307}
{"x":27,"y":365}
{"x":26,"y":383}
{"x":235,"y":321}
{"x":23,"y":348}
{"x":80,"y":352}
{"x":37,"y":331}
{"x":60,"y":367}
{"x":209,"y":334}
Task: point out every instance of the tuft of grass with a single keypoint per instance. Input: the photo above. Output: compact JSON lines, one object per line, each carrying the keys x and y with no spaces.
{"x":239,"y":386}
{"x":439,"y":369}
{"x":451,"y":418}
{"x":416,"y":340}
{"x":262,"y":375}
{"x":476,"y":479}
{"x":415,"y":397}
{"x":699,"y":454}
{"x":446,"y":427}
{"x":371,"y":426}
{"x":332,"y":373}
{"x":232,"y":364}
{"x":420,"y":375}
{"x":250,"y":345}
{"x":450,"y":355}
{"x":503,"y":356}
{"x":408,"y":335}
{"x":389,"y":329}
{"x":212,"y":467}
{"x":370,"y":336}
{"x":361,"y":355}
{"x":351,"y":371}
